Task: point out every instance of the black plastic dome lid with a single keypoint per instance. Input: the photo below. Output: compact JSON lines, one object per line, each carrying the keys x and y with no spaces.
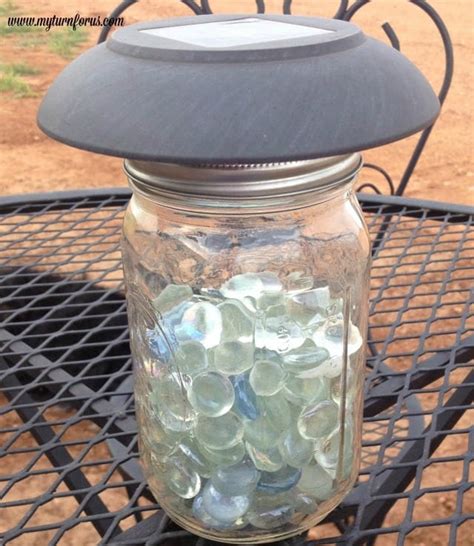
{"x":237,"y":88}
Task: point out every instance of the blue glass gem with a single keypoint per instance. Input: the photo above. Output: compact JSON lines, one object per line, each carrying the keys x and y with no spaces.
{"x":238,"y":479}
{"x":279,"y":481}
{"x":225,"y":509}
{"x":174,"y":316}
{"x":162,"y":341}
{"x":245,"y":397}
{"x":200,"y":513}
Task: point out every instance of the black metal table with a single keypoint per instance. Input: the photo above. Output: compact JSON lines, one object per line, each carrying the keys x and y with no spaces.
{"x":69,"y":473}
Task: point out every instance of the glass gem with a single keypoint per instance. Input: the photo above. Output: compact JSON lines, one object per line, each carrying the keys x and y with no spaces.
{"x":312,"y":307}
{"x":319,"y":299}
{"x":308,"y":319}
{"x":269,"y":460}
{"x":156,"y":437}
{"x":304,"y":504}
{"x":201,"y":322}
{"x":261,"y":433}
{"x":335,"y":331}
{"x":172,"y":296}
{"x":162,"y":341}
{"x":276,"y":411}
{"x":196,"y":459}
{"x":305,"y":359}
{"x":261,"y":353}
{"x":250,"y":304}
{"x":224,"y":457}
{"x":154,"y":463}
{"x":279,"y":481}
{"x":233,"y":357}
{"x":175,"y":315}
{"x":327,"y":451}
{"x":316,"y":481}
{"x":179,"y":505}
{"x":170,"y":403}
{"x":315,"y":322}
{"x":210,"y":295}
{"x":219,"y":432}
{"x":271,"y":511}
{"x":181,"y":478}
{"x":330,"y":368}
{"x":267,"y":300}
{"x":211,"y":394}
{"x":266,"y":377}
{"x":191,"y":358}
{"x":224,"y":508}
{"x":302,"y":391}
{"x":271,"y":282}
{"x":318,"y":420}
{"x":245,"y":397}
{"x":240,"y":286}
{"x":237,"y":322}
{"x":277,"y":331}
{"x":173,"y":423}
{"x":295,"y":450}
{"x":238,"y":479}
{"x":211,"y":523}
{"x":330,"y":336}
{"x":336,"y":385}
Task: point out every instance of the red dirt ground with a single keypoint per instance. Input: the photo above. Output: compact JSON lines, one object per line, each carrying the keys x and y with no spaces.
{"x":32,"y":162}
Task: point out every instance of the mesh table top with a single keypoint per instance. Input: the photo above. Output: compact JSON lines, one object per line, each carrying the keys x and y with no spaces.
{"x":69,"y":471}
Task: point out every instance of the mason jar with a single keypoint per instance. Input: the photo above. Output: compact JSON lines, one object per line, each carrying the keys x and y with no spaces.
{"x":247,"y":291}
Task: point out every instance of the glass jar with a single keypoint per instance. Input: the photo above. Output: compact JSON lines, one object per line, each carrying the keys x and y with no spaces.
{"x":247,"y":290}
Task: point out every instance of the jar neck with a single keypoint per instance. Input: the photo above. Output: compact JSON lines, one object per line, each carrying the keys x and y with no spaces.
{"x":242,"y":189}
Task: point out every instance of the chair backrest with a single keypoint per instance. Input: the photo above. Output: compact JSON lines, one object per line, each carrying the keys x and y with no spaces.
{"x":345,"y":11}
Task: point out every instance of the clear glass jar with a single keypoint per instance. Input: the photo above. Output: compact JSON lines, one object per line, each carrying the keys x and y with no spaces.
{"x":247,"y":290}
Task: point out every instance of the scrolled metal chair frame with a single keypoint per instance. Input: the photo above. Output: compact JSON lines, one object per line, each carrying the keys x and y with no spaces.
{"x":345,"y":11}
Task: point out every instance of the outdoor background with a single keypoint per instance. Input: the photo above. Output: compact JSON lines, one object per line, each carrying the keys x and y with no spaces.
{"x":30,"y":58}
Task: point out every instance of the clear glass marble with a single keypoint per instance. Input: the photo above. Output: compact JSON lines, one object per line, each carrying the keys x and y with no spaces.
{"x":247,"y":325}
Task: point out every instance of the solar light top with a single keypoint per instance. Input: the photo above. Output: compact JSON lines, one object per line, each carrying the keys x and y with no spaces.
{"x":237,"y":89}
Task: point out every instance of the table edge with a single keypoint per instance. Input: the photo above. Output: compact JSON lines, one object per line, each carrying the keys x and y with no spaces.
{"x":396,"y":202}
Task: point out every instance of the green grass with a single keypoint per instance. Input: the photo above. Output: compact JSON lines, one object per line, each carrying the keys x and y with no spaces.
{"x":5,"y":30}
{"x":33,"y":40}
{"x":11,"y":80}
{"x":12,"y":83}
{"x":7,"y":8}
{"x":11,"y":74}
{"x":19,"y":69}
{"x":64,"y":42}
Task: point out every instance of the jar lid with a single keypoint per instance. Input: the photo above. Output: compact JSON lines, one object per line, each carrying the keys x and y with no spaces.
{"x":242,"y":181}
{"x":237,"y":89}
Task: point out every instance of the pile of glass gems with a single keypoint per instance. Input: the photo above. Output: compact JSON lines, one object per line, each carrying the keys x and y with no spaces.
{"x":242,"y":410}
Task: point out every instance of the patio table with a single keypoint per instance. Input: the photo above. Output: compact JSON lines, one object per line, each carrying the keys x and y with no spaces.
{"x":69,"y":472}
